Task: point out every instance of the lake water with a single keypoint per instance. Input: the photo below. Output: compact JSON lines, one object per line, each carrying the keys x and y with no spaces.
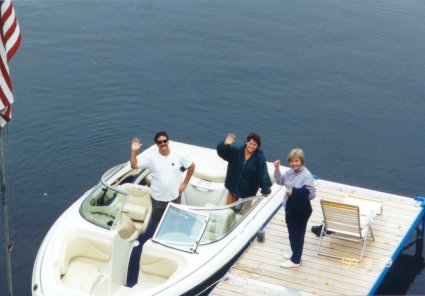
{"x":344,"y":80}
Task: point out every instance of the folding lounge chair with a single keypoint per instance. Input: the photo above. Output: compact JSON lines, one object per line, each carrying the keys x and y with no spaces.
{"x":344,"y":221}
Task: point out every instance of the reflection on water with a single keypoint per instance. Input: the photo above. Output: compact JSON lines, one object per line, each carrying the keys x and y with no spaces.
{"x":405,"y":270}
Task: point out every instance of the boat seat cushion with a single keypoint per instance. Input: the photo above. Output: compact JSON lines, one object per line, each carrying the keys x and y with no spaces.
{"x":159,"y":266}
{"x":211,"y":168}
{"x":138,"y":206}
{"x":81,"y":276}
{"x":79,"y":256}
{"x":148,"y":179}
{"x":210,"y":174}
{"x":135,"y":212}
{"x":154,"y":262}
{"x":83,"y":246}
{"x":135,"y":190}
{"x":221,"y":221}
{"x":127,"y":228}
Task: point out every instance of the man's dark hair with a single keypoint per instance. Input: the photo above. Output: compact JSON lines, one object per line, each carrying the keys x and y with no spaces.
{"x":254,"y":136}
{"x":159,"y":134}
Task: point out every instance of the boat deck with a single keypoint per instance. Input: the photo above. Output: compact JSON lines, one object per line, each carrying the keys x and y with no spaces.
{"x":257,"y":271}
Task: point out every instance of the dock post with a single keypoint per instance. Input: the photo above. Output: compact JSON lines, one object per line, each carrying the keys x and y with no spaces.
{"x":261,"y":236}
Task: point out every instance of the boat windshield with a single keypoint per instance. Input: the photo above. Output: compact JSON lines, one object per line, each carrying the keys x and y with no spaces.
{"x":181,"y":228}
{"x":103,"y":205}
{"x":185,"y":228}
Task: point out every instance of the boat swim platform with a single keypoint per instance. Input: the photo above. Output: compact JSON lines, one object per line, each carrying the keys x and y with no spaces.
{"x":258,"y":271}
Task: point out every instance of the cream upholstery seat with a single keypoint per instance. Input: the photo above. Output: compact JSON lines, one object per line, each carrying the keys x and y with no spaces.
{"x":80,"y":259}
{"x":159,"y":265}
{"x":82,"y":276}
{"x":221,"y":221}
{"x":148,"y":179}
{"x":127,"y":228}
{"x":138,"y":206}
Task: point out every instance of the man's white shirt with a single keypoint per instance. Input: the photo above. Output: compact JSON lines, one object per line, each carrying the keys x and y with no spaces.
{"x":166,"y":172}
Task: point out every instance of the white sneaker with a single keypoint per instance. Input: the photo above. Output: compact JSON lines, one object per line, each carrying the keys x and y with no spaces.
{"x":287,"y":255}
{"x":289,"y":264}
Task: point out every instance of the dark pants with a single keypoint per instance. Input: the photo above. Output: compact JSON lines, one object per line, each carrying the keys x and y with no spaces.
{"x":158,"y":209}
{"x":296,"y":228}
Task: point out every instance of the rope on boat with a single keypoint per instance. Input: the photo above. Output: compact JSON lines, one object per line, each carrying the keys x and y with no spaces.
{"x":236,"y":282}
{"x":223,"y":279}
{"x":233,"y":281}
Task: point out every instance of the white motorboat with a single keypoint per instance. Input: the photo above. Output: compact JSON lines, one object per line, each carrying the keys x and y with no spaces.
{"x":103,"y":243}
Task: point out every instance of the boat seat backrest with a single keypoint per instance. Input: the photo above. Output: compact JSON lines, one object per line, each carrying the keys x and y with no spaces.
{"x":216,"y":176}
{"x":154,"y":262}
{"x":200,"y":192}
{"x":221,"y":221}
{"x":148,"y":179}
{"x":126,"y":228}
{"x":138,"y":206}
{"x":80,"y":245}
{"x":80,"y":258}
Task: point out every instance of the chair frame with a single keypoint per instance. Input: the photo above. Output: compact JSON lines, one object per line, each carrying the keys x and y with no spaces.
{"x":344,"y":222}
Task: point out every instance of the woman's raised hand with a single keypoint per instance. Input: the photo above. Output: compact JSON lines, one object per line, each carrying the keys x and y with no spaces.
{"x":229,"y":139}
{"x":276,"y":165}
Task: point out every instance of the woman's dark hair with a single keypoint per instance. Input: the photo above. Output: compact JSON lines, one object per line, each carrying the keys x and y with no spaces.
{"x":159,"y":134}
{"x":254,"y":136}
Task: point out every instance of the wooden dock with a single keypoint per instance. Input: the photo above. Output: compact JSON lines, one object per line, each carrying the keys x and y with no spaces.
{"x":257,"y":272}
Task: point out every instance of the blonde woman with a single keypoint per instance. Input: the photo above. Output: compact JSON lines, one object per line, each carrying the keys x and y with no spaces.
{"x":300,"y":190}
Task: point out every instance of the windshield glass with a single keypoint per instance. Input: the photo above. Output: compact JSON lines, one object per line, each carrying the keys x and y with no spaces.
{"x":103,"y":205}
{"x":184,"y":228}
{"x":181,"y":228}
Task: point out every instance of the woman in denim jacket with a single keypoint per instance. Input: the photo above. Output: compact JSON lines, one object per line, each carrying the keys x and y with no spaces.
{"x":246,"y":168}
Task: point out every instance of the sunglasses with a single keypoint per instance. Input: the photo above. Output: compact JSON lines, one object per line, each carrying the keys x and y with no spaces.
{"x":162,"y":142}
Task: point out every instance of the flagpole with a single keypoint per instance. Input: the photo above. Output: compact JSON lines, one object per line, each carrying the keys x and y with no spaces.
{"x":9,"y":44}
{"x":5,"y":210}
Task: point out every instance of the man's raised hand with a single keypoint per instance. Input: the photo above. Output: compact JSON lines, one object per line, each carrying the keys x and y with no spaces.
{"x":136,"y":144}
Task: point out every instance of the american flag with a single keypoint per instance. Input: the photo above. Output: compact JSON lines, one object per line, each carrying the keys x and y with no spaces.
{"x":10,"y":41}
